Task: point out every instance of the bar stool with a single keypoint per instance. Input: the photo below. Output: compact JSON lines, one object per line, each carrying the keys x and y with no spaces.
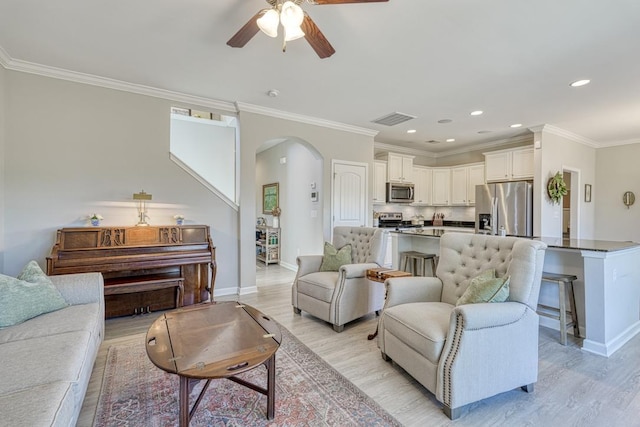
{"x":417,"y":263}
{"x":565,"y":283}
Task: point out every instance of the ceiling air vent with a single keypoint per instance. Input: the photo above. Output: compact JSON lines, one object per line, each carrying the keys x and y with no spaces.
{"x":393,"y":119}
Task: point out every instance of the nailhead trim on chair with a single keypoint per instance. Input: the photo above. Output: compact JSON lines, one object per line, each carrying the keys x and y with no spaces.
{"x":456,"y":347}
{"x":448,"y":363}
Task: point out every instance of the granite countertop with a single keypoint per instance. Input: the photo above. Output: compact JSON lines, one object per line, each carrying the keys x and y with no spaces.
{"x":587,"y":245}
{"x":432,"y":231}
{"x":552,"y":242}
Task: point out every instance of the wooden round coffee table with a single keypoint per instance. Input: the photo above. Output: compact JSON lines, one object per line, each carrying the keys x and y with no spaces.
{"x":214,"y":340}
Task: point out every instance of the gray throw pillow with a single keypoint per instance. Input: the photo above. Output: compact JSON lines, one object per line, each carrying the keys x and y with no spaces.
{"x":485,"y":287}
{"x":333,"y":258}
{"x":29,"y":295}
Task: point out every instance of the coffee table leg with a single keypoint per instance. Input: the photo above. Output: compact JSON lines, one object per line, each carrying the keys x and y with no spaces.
{"x":271,"y":387}
{"x":184,"y":402}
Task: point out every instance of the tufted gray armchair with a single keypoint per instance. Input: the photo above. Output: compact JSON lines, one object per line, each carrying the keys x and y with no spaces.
{"x":341,"y":296}
{"x":470,"y":352}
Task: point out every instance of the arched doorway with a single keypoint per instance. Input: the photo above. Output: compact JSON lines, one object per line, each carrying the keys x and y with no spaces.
{"x":297,"y":168}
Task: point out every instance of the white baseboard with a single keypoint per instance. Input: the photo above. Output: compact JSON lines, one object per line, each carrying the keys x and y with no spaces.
{"x":606,"y":349}
{"x":292,"y":267}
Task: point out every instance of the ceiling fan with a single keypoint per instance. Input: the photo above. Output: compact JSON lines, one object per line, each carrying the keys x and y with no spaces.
{"x":295,"y":21}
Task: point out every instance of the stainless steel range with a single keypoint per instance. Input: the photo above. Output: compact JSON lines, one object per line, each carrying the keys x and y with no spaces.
{"x":390,"y":219}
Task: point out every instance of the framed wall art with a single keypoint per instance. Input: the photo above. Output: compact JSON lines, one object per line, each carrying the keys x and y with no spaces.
{"x":269,"y":197}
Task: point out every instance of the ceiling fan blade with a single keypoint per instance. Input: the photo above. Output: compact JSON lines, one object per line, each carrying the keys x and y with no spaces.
{"x":247,"y":32}
{"x":346,"y":1}
{"x":316,"y":39}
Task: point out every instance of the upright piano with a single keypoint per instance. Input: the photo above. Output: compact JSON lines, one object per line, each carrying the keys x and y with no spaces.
{"x":145,"y":268}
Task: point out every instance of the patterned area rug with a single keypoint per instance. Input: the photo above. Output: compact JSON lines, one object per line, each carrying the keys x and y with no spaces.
{"x":309,"y":392}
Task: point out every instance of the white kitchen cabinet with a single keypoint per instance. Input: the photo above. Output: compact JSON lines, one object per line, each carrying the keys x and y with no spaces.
{"x":509,"y":165}
{"x":422,"y":185}
{"x":379,"y":182}
{"x":459,"y":177}
{"x":522,"y":164}
{"x":463,"y":184}
{"x":475,"y":178}
{"x":399,"y":168}
{"x":441,"y":188}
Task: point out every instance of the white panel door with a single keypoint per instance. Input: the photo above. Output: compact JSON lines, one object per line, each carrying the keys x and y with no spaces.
{"x":349,"y":193}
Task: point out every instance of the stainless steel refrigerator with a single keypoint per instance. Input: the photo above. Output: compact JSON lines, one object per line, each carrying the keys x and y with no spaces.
{"x":505,"y":204}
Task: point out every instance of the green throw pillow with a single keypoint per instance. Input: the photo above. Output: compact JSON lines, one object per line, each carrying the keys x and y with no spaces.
{"x":485,"y":287}
{"x":333,"y":259}
{"x":29,"y":295}
{"x":32,"y":273}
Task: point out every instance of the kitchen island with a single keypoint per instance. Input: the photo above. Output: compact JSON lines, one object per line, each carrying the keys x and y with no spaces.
{"x":607,"y":290}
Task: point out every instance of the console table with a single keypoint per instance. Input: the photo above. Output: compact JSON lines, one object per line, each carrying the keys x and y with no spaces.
{"x":144,"y":268}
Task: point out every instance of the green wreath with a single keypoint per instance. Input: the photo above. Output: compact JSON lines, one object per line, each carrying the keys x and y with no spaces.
{"x":556,"y":188}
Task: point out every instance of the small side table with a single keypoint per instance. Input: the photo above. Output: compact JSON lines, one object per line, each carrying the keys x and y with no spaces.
{"x":380,"y":275}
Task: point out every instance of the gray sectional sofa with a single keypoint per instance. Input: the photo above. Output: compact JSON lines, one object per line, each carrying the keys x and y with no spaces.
{"x":47,"y":360}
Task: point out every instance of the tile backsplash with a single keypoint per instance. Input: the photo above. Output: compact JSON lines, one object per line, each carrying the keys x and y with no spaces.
{"x":451,"y":213}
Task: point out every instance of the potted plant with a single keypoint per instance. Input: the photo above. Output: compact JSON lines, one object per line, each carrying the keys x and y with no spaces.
{"x":276,"y":216}
{"x":179,"y":219}
{"x":556,"y":187}
{"x":95,"y":219}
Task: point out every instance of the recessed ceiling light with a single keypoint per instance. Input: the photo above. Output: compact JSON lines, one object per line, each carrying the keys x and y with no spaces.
{"x":443,"y":121}
{"x":579,"y":83}
{"x":451,"y":140}
{"x":411,"y":131}
{"x":516,"y":125}
{"x":476,"y":113}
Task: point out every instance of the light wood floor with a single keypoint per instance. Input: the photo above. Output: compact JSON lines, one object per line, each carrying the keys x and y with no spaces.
{"x":574,"y":388}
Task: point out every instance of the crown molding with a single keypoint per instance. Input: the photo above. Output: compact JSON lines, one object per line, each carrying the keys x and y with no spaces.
{"x":93,"y":80}
{"x":486,"y":145}
{"x":251,"y":108}
{"x":90,"y":79}
{"x":382,"y":146}
{"x":619,"y":143}
{"x":554,"y":130}
{"x":476,"y":147}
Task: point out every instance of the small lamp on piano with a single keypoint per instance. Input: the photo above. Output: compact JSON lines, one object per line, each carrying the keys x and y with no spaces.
{"x":142,"y":199}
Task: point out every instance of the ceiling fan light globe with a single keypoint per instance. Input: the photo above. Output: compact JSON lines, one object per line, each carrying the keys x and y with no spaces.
{"x":268,"y":23}
{"x":293,"y":33}
{"x":291,"y":15}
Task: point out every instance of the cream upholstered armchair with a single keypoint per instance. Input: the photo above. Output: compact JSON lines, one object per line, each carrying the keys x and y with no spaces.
{"x":468,"y":352}
{"x":341,"y":296}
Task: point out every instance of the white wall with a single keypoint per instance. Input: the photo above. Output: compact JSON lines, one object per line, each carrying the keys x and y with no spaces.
{"x":72,"y":149}
{"x":3,"y":100}
{"x":301,"y":233}
{"x":255,"y":129}
{"x":617,"y":171}
{"x":558,"y":153}
{"x":208,"y":147}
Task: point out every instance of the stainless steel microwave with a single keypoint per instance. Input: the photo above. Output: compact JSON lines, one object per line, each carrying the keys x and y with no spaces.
{"x":399,"y":193}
